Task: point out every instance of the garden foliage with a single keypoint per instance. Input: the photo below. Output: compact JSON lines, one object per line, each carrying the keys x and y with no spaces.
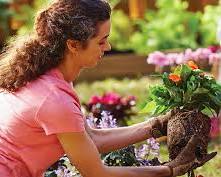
{"x":170,"y":26}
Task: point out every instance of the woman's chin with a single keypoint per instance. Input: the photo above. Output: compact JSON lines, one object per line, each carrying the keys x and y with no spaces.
{"x":91,"y":65}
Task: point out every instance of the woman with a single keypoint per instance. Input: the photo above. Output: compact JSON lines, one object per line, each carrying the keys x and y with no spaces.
{"x":40,"y":116}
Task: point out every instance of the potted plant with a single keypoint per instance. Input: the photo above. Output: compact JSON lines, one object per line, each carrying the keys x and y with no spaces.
{"x":194,"y":97}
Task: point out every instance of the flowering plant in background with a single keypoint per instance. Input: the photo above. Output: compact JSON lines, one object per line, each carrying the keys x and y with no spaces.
{"x":62,"y":168}
{"x":215,"y":129}
{"x":106,"y":121}
{"x":143,"y":155}
{"x":120,"y":107}
{"x":202,"y":56}
{"x":146,"y":151}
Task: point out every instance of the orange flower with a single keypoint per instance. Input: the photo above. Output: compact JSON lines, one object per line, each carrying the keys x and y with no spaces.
{"x":192,"y":65}
{"x":175,"y":78}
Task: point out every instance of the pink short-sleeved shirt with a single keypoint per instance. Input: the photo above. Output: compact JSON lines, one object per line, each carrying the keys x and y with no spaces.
{"x":29,"y":121}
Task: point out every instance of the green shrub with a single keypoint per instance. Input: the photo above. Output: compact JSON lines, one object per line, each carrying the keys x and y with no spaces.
{"x":170,"y":26}
{"x":209,"y":22}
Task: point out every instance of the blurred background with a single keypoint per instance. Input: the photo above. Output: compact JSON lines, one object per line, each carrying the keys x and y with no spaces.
{"x":147,"y":37}
{"x":139,"y":27}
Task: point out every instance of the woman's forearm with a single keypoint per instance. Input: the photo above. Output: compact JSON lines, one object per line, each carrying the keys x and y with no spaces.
{"x":151,"y":171}
{"x":108,"y":140}
{"x":111,"y":139}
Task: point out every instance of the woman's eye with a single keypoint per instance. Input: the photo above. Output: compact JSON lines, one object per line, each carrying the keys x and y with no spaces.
{"x":101,"y":43}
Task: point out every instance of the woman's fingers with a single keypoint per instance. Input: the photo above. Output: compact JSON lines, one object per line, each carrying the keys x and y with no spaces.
{"x":188,"y":152}
{"x":182,"y":169}
{"x":207,"y":158}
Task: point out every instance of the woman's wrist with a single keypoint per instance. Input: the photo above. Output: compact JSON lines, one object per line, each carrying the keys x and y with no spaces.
{"x":170,"y":171}
{"x":165,"y":171}
{"x":147,"y":129}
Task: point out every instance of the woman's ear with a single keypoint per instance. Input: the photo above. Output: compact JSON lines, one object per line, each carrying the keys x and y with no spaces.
{"x":73,"y":45}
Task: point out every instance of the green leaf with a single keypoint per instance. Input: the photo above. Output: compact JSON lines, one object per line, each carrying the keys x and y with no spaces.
{"x":191,"y":84}
{"x":216,"y":100}
{"x":149,"y":108}
{"x":208,"y":111}
{"x":160,"y":95}
{"x":177,"y":99}
{"x":160,"y":109}
{"x":185,"y":72}
{"x":176,"y":94}
{"x":201,"y":91}
{"x":178,"y":70}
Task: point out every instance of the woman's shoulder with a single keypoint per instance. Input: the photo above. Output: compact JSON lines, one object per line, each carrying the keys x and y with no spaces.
{"x":49,"y":85}
{"x":53,"y":84}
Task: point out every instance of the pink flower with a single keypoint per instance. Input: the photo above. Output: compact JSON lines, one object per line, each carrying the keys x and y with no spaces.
{"x":172,"y":57}
{"x":95,"y":99}
{"x":130,"y":100}
{"x":202,"y":53}
{"x":215,"y":129}
{"x":158,"y":58}
{"x":214,"y":57}
{"x":214,"y":48}
{"x":124,"y":101}
{"x":189,"y":55}
{"x":180,"y":58}
{"x":110,"y":98}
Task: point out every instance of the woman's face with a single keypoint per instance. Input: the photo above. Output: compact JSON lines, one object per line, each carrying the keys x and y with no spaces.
{"x":89,"y":56}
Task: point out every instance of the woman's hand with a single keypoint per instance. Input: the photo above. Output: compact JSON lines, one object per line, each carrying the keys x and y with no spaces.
{"x":186,"y":160}
{"x":159,"y":124}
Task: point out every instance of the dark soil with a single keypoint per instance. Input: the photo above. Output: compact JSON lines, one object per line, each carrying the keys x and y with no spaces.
{"x":181,"y":128}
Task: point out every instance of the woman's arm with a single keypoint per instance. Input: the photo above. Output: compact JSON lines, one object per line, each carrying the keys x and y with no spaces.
{"x":108,"y":140}
{"x":83,"y":153}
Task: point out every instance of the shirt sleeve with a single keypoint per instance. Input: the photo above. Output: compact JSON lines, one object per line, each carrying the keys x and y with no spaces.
{"x":60,"y":113}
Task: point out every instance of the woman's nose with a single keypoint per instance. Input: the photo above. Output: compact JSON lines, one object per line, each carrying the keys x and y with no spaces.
{"x":107,"y":47}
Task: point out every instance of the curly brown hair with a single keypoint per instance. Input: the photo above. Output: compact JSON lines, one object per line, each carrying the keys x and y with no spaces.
{"x":27,"y":58}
